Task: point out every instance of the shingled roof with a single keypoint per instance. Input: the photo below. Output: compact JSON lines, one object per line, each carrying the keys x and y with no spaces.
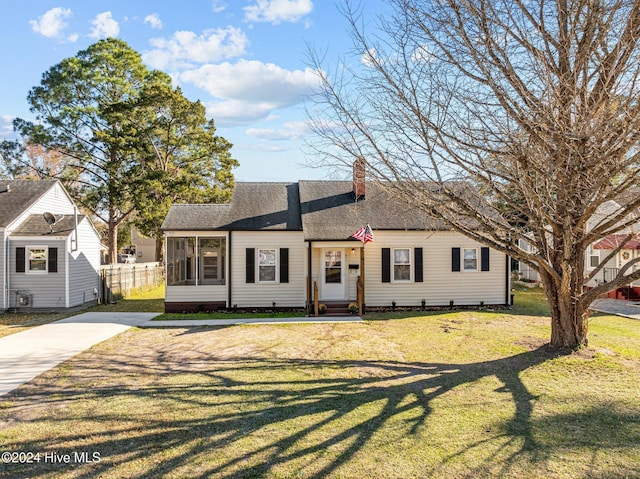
{"x":35,"y":225}
{"x":253,"y":207}
{"x":18,"y":195}
{"x":330,"y":211}
{"x":324,"y":210}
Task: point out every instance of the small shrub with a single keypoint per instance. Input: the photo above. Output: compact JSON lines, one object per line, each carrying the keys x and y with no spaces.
{"x":322,"y":308}
{"x":353,"y":308}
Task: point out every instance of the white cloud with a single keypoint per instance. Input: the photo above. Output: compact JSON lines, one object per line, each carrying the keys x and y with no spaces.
{"x":154,"y":21}
{"x":185,"y":48}
{"x":73,"y":37}
{"x":104,"y":26}
{"x":51,"y":23}
{"x":294,"y":130}
{"x":369,"y":58}
{"x":276,"y":11}
{"x":236,"y":112}
{"x":218,"y":6}
{"x":250,"y":90}
{"x":253,"y":81}
{"x":6,"y":128}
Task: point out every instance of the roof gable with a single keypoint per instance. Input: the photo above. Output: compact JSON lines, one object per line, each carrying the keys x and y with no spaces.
{"x":16,"y":196}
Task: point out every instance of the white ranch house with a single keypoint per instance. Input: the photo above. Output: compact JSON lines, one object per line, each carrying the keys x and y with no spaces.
{"x":275,"y":241}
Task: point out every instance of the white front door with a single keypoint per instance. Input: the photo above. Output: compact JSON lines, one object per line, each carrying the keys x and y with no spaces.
{"x":333,"y":275}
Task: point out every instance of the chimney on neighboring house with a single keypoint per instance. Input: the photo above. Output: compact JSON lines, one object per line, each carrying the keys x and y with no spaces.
{"x":359,"y":183}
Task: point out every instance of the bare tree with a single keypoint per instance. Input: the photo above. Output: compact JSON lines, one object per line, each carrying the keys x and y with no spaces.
{"x":530,"y":109}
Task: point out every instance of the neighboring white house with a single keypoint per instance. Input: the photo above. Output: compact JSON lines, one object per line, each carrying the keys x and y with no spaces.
{"x":50,"y":256}
{"x":275,"y":241}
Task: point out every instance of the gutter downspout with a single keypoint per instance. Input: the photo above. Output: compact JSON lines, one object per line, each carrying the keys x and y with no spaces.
{"x":309,"y":275}
{"x":5,"y":285}
{"x":507,"y":280}
{"x":229,"y":273}
{"x":67,"y":244}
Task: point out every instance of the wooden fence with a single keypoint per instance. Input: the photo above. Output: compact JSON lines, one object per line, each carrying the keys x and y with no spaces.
{"x":118,"y":280}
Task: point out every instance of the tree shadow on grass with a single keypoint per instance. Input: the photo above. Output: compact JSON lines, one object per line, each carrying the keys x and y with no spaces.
{"x":245,"y":417}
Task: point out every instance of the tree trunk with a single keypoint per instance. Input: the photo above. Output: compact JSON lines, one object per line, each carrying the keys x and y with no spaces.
{"x":569,"y":311}
{"x":113,"y":239}
{"x":159,"y":248}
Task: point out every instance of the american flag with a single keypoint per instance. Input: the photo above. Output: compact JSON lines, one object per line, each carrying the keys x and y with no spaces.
{"x":364,"y":234}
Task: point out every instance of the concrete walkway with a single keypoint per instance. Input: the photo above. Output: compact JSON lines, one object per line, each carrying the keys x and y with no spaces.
{"x":230,"y":322}
{"x":619,"y":307}
{"x":27,"y":354}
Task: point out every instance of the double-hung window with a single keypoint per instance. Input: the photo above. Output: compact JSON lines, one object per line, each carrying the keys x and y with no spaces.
{"x":37,"y":259}
{"x":470,"y":259}
{"x":267,"y":262}
{"x":402,"y":264}
{"x":594,"y":257}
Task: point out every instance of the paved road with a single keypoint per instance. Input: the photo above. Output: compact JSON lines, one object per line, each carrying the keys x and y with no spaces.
{"x":27,"y":354}
{"x":617,"y":306}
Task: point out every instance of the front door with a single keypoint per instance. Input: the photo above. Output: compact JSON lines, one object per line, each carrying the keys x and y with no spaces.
{"x":333,"y":275}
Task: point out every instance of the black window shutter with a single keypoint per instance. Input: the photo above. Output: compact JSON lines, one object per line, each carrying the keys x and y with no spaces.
{"x":417,"y":273}
{"x":251,"y":265}
{"x":53,"y":260}
{"x":20,"y":263}
{"x":455,"y":259}
{"x":484,"y":258}
{"x":284,"y":265}
{"x":386,"y":265}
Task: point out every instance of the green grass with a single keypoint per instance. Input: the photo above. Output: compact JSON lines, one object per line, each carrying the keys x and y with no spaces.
{"x":227,"y":315}
{"x":11,"y":323}
{"x":449,"y":395}
{"x":151,"y":300}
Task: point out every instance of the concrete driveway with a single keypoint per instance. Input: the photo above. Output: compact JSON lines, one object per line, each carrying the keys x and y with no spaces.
{"x":27,"y":354}
{"x":628,"y":309}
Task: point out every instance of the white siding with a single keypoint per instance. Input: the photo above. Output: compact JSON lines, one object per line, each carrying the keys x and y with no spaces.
{"x":440,"y":285}
{"x":48,"y":289}
{"x":291,"y":294}
{"x":194,"y":294}
{"x":3,"y":271}
{"x":84,"y":266}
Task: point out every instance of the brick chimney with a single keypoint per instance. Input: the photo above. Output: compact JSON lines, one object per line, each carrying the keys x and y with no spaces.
{"x":359,"y":183}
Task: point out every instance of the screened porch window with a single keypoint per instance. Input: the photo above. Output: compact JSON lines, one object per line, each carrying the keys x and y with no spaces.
{"x":196,"y":260}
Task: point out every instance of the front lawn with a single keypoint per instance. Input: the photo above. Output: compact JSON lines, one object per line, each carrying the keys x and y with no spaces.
{"x":151,"y":300}
{"x":447,"y":395}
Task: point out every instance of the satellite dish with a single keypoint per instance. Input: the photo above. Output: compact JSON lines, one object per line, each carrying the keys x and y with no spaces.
{"x":49,"y":218}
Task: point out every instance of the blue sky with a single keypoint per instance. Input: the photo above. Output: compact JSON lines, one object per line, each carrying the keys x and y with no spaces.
{"x":246,"y":60}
